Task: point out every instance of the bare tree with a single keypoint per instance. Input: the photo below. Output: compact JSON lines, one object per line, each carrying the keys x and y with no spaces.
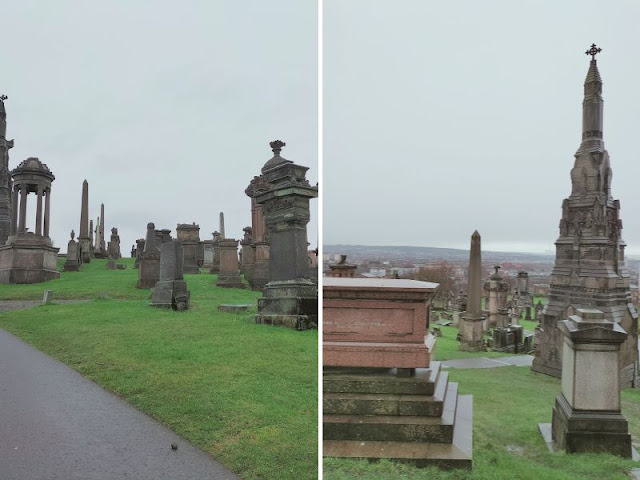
{"x":443,"y":273}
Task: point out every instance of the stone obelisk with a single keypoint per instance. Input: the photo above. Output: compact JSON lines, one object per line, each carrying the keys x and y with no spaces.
{"x":472,"y":320}
{"x":6,"y":185}
{"x":589,"y":270}
{"x":84,"y":239}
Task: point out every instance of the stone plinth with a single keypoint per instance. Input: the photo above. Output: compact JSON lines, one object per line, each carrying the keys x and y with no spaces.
{"x":189,"y":236}
{"x":342,"y":268}
{"x":171,"y":289}
{"x":376,"y":322}
{"x":215,"y":261}
{"x":497,"y":290}
{"x":587,"y":416}
{"x":28,"y":258}
{"x":229,"y":275}
{"x":260,"y":271}
{"x":289,"y":303}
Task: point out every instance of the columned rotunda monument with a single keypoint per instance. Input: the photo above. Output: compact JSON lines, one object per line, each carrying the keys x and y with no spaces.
{"x":28,"y":256}
{"x":589,"y":270}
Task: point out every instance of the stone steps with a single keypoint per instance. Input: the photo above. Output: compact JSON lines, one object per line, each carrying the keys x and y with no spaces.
{"x":457,"y":454}
{"x":380,"y":381}
{"x":396,"y":428}
{"x":388,"y":404}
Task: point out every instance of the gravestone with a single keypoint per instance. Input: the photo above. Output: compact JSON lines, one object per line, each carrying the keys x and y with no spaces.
{"x":587,"y":416}
{"x":171,"y":289}
{"x":229,"y":275}
{"x":72,"y":262}
{"x":189,"y":236}
{"x":149,"y":263}
{"x":207,"y":246}
{"x":111,"y":265}
{"x":258,"y":272}
{"x":113,"y":249}
{"x":47,"y":297}
{"x":139,"y":251}
{"x":498,"y":290}
{"x":589,"y":269}
{"x":215,"y":264}
{"x":100,"y":248}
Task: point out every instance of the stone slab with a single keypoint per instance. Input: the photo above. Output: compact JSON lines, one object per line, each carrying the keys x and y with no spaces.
{"x":371,"y":380}
{"x":234,"y":308}
{"x":378,"y":354}
{"x":483,"y":362}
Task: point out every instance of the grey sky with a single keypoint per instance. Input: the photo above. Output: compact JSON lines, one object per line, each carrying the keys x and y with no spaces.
{"x":445,"y":117}
{"x":166,"y":108}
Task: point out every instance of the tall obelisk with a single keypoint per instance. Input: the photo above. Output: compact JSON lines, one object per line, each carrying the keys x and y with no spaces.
{"x":589,"y":270}
{"x":472,"y":320}
{"x":84,"y":238}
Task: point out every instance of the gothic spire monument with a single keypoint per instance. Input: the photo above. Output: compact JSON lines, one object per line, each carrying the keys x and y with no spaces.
{"x":5,"y":176}
{"x":589,"y":270}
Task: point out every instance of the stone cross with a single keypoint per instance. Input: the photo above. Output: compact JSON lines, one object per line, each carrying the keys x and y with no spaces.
{"x":593,"y":51}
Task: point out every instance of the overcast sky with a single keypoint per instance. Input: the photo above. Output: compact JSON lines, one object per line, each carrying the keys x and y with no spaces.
{"x":445,"y":117}
{"x":166,"y":108}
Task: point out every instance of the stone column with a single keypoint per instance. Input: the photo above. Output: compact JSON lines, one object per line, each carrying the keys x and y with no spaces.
{"x":39,"y":212}
{"x":222,"y":225}
{"x":47,"y":209}
{"x":23,"y":208}
{"x":14,"y":211}
{"x":229,"y":275}
{"x":587,"y":415}
{"x":473,"y":319}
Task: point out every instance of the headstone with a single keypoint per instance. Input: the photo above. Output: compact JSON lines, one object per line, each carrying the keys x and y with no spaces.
{"x":149,"y":263}
{"x":72,"y":262}
{"x":498,"y":290}
{"x":538,"y":311}
{"x":229,"y":275}
{"x":189,"y":236}
{"x":587,"y":416}
{"x":472,"y":320}
{"x":114,"y":245}
{"x":290,"y":298}
{"x":47,"y":297}
{"x":171,"y":290}
{"x":111,"y":265}
{"x":139,"y":250}
{"x":215,"y":265}
{"x":589,"y":269}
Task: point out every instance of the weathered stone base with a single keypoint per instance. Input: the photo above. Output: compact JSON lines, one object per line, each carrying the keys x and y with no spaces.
{"x":191,"y":269}
{"x":148,"y":271}
{"x":471,"y":330}
{"x":239,"y":308}
{"x":375,"y":414}
{"x":589,"y":432}
{"x":229,"y":281}
{"x":289,"y":303}
{"x":71,"y":266}
{"x":28,"y":258}
{"x":171,"y":294}
{"x":260,"y":275}
{"x":552,"y":370}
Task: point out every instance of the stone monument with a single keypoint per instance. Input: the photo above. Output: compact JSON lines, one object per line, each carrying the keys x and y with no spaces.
{"x":229,"y":275}
{"x":113,"y":250}
{"x":383,"y":396}
{"x":472,"y":320}
{"x":342,"y":268}
{"x":171,"y":289}
{"x":258,"y":272}
{"x":72,"y":263}
{"x":248,"y":254}
{"x":139,"y":250}
{"x":290,"y":298}
{"x":6,"y":184}
{"x":100,"y":249}
{"x":587,"y":415}
{"x":84,"y":240}
{"x":498,"y":291}
{"x":189,"y":236}
{"x":29,"y":257}
{"x":589,"y":270}
{"x":215,"y":263}
{"x":149,"y":263}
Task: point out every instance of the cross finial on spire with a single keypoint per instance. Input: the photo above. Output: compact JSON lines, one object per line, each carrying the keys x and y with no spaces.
{"x":593,"y":51}
{"x":3,"y":98}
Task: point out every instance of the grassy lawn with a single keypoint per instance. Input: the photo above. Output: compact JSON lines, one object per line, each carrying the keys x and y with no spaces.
{"x":243,"y":392}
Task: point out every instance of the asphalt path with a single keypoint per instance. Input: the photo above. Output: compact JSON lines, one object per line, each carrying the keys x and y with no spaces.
{"x":56,"y":424}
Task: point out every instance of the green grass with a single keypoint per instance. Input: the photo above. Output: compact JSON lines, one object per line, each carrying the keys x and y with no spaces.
{"x":508,"y":404}
{"x":245,"y":393}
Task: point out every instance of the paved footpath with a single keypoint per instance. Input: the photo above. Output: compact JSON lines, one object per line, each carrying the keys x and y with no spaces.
{"x":57,"y":425}
{"x":484,"y":362}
